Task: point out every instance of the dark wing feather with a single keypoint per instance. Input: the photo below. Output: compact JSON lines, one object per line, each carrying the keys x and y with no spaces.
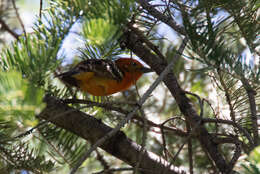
{"x":68,"y":78}
{"x":101,"y":67}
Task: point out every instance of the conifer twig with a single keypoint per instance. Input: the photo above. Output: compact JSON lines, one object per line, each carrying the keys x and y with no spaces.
{"x":103,"y":162}
{"x":160,"y":16}
{"x":114,"y":170}
{"x":5,"y":27}
{"x":18,"y":17}
{"x":40,"y":10}
{"x":252,"y":103}
{"x":144,"y":137}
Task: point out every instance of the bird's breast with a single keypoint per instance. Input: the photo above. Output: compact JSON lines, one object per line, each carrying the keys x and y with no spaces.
{"x":103,"y":86}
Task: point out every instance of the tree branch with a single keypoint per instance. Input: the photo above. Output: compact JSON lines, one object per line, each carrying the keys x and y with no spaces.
{"x":40,"y":10}
{"x":110,"y":106}
{"x":131,"y":41}
{"x":160,"y":16}
{"x":92,"y":130}
{"x":5,"y":27}
{"x":229,"y":122}
{"x":18,"y":17}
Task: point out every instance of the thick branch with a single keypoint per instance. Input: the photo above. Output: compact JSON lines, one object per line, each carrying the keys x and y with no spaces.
{"x":93,"y":129}
{"x":131,"y":41}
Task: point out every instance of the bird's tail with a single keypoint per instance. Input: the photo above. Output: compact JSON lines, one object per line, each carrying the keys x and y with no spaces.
{"x":68,"y":78}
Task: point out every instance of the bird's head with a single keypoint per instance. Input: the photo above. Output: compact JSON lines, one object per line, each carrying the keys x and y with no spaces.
{"x":132,"y":66}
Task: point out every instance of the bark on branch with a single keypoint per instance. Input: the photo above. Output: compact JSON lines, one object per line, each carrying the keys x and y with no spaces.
{"x":92,"y":130}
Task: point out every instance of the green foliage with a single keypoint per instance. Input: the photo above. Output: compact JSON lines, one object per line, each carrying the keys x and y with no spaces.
{"x":215,"y":30}
{"x":107,"y":51}
{"x":20,"y":156}
{"x":108,"y":17}
{"x":98,"y":31}
{"x":29,"y":65}
{"x":35,"y":55}
{"x":115,"y":11}
{"x":217,"y":45}
{"x":252,"y":167}
{"x":27,"y":68}
{"x":66,"y":147}
{"x":17,"y":113}
{"x":16,"y":101}
{"x":33,"y":60}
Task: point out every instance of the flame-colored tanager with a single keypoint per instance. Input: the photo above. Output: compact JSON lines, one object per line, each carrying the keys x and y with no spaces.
{"x":101,"y":77}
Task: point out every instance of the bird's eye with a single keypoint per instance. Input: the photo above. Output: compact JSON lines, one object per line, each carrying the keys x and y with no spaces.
{"x":134,"y":63}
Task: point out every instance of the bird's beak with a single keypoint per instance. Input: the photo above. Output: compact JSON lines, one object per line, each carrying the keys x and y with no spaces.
{"x":146,"y":70}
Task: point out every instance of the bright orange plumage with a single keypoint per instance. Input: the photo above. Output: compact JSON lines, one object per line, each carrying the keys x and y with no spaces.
{"x":104,"y":77}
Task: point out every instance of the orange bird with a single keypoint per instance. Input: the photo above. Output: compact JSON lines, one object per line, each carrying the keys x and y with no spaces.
{"x":101,"y":77}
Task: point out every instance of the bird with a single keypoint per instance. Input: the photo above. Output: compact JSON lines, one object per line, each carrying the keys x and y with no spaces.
{"x":103,"y":77}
